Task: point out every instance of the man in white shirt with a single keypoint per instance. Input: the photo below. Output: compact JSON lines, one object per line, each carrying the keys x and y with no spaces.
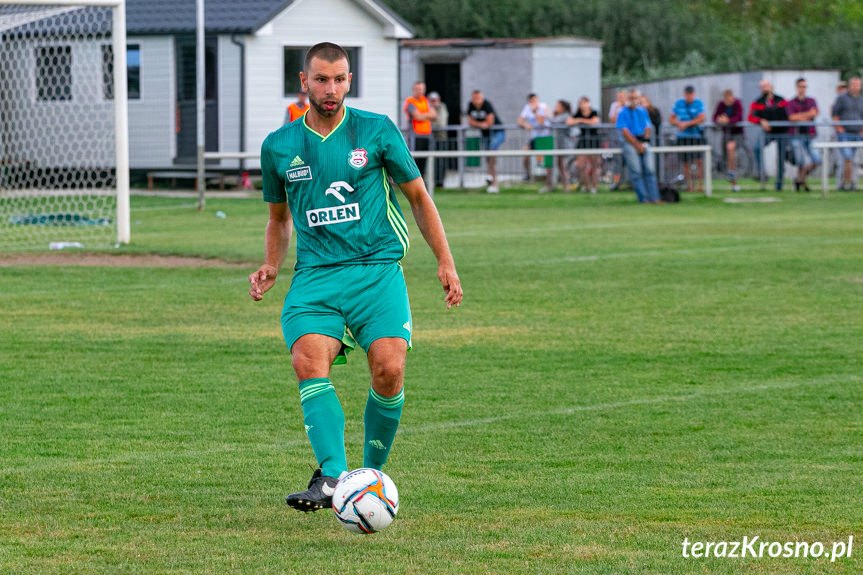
{"x":535,"y":118}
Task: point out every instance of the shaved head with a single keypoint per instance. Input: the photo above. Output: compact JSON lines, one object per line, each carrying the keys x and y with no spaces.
{"x":326,"y":51}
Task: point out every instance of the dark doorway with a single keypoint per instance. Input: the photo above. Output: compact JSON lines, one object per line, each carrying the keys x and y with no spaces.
{"x":187,"y":116}
{"x":445,"y":79}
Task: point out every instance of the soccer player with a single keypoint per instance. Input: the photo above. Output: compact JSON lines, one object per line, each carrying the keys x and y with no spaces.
{"x":328,"y":175}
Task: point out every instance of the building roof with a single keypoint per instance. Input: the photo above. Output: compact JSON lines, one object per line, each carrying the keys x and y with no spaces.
{"x":169,"y":17}
{"x":499,"y":42}
{"x":231,"y":16}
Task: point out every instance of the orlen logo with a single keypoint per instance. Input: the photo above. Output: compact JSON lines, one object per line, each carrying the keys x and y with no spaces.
{"x":336,"y":215}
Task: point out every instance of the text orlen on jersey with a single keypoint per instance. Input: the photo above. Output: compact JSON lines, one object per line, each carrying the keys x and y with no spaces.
{"x":336,"y":214}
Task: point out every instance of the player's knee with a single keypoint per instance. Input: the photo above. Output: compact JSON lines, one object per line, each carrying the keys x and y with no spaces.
{"x":388,"y":375}
{"x":306,"y":366}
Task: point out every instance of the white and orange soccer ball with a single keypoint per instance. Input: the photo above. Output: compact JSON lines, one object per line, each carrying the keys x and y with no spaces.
{"x":366,"y":500}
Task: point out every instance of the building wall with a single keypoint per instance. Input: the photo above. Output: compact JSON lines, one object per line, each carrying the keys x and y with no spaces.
{"x":302,"y":24}
{"x":410,"y":70}
{"x":229,"y":98}
{"x":75,"y":133}
{"x":152,"y":136}
{"x":567,"y":73}
{"x":481,"y":69}
{"x":503,"y":75}
{"x":507,"y":74}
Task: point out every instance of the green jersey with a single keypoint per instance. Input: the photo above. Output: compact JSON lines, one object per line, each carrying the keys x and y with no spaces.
{"x":337,"y":188}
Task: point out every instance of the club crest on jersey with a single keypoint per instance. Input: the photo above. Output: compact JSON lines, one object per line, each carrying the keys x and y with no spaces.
{"x":358,"y":158}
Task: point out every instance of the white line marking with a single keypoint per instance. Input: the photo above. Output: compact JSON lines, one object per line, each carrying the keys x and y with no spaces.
{"x":88,"y":291}
{"x":440,"y":426}
{"x":753,"y":246}
{"x":154,"y":208}
{"x":791,"y":219}
{"x":633,"y":402}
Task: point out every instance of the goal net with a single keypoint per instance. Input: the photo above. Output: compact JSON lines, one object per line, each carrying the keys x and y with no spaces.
{"x":63,"y":151}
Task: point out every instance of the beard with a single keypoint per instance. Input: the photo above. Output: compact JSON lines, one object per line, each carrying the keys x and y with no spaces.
{"x":318,"y":105}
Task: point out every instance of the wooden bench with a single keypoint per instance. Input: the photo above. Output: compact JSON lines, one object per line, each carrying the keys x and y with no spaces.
{"x":184,"y":175}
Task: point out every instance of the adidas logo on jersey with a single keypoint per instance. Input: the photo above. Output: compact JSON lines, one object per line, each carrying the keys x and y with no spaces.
{"x":297,"y":161}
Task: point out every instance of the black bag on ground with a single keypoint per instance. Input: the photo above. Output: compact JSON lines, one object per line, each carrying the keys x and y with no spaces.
{"x":669,"y":195}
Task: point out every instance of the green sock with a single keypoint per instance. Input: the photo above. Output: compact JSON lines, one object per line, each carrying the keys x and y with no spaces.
{"x":381,"y":420}
{"x":325,"y":424}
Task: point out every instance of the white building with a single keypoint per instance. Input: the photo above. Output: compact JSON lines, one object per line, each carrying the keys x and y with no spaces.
{"x":253,"y":54}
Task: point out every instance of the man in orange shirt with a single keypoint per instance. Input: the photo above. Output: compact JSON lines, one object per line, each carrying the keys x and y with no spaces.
{"x":420,"y":114}
{"x":297,"y":109}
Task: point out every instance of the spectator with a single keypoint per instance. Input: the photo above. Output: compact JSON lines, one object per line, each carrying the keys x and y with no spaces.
{"x":841,"y":88}
{"x":655,"y":118}
{"x":562,"y":113}
{"x":849,"y":108}
{"x":420,"y":116}
{"x":769,"y":108}
{"x":588,"y":166}
{"x":441,"y":120}
{"x":634,"y":125}
{"x":728,"y":114}
{"x":298,"y":109}
{"x":616,"y":106}
{"x":481,"y":114}
{"x":535,"y":119}
{"x":616,"y":161}
{"x":439,"y":131}
{"x":803,"y":109}
{"x":687,"y":116}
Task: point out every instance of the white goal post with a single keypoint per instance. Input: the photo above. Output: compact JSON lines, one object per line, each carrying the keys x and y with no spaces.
{"x":64,"y":151}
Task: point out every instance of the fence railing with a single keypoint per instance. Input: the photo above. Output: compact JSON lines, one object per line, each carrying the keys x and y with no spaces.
{"x":825,"y":168}
{"x":756,"y":151}
{"x":457,"y":153}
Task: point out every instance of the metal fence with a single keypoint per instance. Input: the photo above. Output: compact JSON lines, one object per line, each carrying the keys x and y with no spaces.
{"x":756,"y":155}
{"x":459,"y":159}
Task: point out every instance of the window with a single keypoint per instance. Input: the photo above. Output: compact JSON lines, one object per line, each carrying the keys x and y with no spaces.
{"x":54,"y":73}
{"x":293,"y":64}
{"x":187,"y":86}
{"x":133,"y":71}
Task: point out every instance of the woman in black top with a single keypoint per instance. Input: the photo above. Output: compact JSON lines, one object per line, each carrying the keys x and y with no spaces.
{"x":655,"y":118}
{"x":588,"y":166}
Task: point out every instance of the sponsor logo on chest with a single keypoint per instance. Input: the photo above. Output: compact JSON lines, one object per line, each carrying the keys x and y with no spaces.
{"x":334,"y":215}
{"x":298,"y":174}
{"x":337,"y":214}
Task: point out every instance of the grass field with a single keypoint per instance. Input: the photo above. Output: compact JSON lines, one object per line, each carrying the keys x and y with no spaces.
{"x":619,"y":378}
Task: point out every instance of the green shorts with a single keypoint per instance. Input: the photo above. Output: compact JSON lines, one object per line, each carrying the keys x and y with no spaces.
{"x":353,"y":303}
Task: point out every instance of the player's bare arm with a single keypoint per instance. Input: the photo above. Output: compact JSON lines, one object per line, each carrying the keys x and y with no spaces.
{"x":278,"y":237}
{"x":430,"y":225}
